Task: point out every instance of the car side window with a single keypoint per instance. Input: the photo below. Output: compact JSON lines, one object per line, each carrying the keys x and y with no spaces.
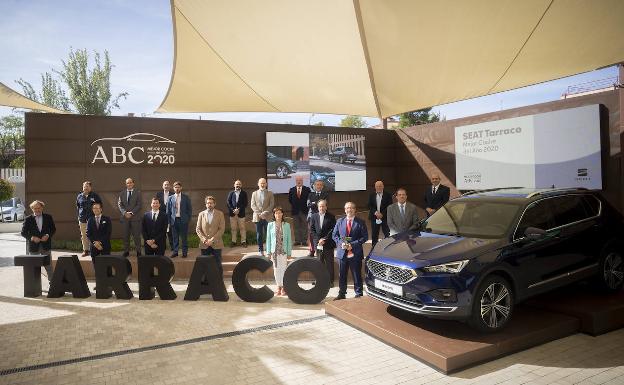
{"x":592,"y":205}
{"x":569,"y":209}
{"x":538,"y":214}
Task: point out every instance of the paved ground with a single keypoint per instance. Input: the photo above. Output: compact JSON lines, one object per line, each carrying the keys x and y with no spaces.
{"x":73,"y":341}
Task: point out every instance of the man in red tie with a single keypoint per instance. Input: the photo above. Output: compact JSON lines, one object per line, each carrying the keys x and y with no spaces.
{"x":350,"y":234}
{"x":99,"y":228}
{"x":298,"y":198}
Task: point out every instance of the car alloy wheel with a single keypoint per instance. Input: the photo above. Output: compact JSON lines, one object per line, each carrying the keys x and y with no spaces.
{"x":495,"y":305}
{"x":613,"y":270}
{"x":281,"y":171}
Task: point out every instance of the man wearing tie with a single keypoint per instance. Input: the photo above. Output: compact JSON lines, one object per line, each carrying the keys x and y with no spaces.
{"x":236,"y":204}
{"x":38,"y":230}
{"x":402,"y":216}
{"x":179,"y":212}
{"x":129,"y":204}
{"x":436,"y":196}
{"x":262,"y":203}
{"x":163,"y":197}
{"x":378,"y":203}
{"x":99,"y":228}
{"x":312,"y":203}
{"x":321,"y":227}
{"x":154,"y":229}
{"x":350,"y":234}
{"x":298,"y":198}
{"x":210,"y":228}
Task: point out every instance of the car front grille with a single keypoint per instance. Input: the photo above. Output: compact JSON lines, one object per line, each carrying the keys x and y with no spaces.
{"x":390,"y":273}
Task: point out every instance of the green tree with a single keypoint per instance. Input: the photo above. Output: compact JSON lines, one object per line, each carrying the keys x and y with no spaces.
{"x":19,"y":162}
{"x":6,"y":190}
{"x":11,"y":137}
{"x":88,"y":88}
{"x":353,"y":121}
{"x":414,"y":118}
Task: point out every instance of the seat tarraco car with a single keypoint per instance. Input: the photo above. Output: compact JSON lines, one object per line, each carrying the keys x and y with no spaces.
{"x":484,"y":252}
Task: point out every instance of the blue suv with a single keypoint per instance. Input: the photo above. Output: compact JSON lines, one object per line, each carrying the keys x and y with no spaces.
{"x":484,"y":252}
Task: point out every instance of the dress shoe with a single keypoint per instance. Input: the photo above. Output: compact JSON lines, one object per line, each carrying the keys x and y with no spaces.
{"x":358,"y":295}
{"x":183,"y":255}
{"x":311,"y":255}
{"x":243,"y":244}
{"x":339,"y":298}
{"x":126,"y":254}
{"x":85,"y":253}
{"x":174,"y":255}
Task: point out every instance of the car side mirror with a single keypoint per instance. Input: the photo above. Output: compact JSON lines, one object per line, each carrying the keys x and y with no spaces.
{"x":534,"y":233}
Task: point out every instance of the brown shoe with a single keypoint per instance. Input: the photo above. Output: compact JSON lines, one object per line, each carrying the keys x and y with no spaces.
{"x":86,"y":253}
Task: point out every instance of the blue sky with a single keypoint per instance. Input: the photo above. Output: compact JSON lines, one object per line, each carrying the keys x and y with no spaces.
{"x":37,"y":35}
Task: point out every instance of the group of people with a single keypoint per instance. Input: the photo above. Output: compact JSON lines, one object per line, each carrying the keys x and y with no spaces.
{"x":314,"y":226}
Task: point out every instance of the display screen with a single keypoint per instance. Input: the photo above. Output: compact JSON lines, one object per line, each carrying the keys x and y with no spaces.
{"x":339,"y":160}
{"x":555,"y":149}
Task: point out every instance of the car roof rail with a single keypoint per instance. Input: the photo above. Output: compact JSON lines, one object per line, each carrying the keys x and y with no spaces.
{"x":556,"y":190}
{"x":472,"y":192}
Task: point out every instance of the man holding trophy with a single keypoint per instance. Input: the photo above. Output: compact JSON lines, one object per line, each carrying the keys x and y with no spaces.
{"x":350,"y":234}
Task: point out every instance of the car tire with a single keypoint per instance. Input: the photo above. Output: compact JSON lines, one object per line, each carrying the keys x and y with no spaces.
{"x":281,"y":171}
{"x":14,"y":217}
{"x":611,"y":273}
{"x":493,"y":305}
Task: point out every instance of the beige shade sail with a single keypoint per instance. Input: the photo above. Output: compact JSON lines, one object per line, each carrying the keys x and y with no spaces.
{"x":379,"y":58}
{"x":11,"y":98}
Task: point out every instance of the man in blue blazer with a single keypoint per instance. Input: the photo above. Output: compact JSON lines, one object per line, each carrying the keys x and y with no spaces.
{"x":236,"y":204}
{"x":99,"y":228}
{"x":179,"y":213}
{"x":154,"y":229}
{"x":163,"y":196}
{"x":350,"y":234}
{"x":298,"y":198}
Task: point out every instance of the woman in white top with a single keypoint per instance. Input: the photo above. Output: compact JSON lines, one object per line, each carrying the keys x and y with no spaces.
{"x":279,"y":247}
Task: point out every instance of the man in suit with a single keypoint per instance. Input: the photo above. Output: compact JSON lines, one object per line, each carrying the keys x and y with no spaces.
{"x":402,"y":215}
{"x":129,"y":204}
{"x":236,"y":204}
{"x":314,"y":196}
{"x":262,"y":203}
{"x":38,"y":230}
{"x":350,"y":234}
{"x":378,"y":203}
{"x":210,"y":228}
{"x":321,"y":227}
{"x":298,"y":198}
{"x":163,"y":197}
{"x":84,"y":200}
{"x":99,"y":229}
{"x":179,"y":212}
{"x":154,"y":229}
{"x":436,"y":196}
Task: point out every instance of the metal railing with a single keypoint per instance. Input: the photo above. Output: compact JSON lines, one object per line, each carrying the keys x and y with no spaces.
{"x":592,"y":86}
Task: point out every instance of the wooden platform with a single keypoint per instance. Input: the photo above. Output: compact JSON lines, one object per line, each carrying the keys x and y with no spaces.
{"x":599,"y":313}
{"x":449,"y":345}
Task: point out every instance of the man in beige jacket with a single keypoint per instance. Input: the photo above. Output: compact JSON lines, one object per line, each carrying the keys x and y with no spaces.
{"x":210,"y":228}
{"x":262,"y":202}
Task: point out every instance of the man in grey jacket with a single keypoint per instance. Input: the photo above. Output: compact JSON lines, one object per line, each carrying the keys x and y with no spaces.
{"x":402,"y":215}
{"x":129,"y":204}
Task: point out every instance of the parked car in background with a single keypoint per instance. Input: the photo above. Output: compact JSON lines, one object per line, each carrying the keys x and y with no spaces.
{"x":281,"y":167}
{"x":326,"y":174}
{"x":13,"y":210}
{"x":482,"y":253}
{"x":343,"y":154}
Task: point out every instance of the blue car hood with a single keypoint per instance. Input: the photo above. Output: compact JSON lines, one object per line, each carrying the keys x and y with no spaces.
{"x":417,"y":249}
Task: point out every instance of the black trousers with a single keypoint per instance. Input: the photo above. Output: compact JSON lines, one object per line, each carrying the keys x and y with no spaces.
{"x":326,"y":256}
{"x":375,"y":230}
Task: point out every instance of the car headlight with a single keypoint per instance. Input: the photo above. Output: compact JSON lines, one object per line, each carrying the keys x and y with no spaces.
{"x":451,"y":267}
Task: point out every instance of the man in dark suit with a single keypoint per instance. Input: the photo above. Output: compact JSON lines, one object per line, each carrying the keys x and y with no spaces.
{"x":314,"y":196}
{"x":378,"y":203}
{"x":179,"y":212}
{"x":163,"y":196}
{"x":436,"y":196}
{"x":99,"y":229}
{"x":129,"y":204}
{"x":237,"y":203}
{"x":298,"y":198}
{"x":321,"y":227}
{"x":154,"y":229}
{"x":350,"y":234}
{"x":38,"y":230}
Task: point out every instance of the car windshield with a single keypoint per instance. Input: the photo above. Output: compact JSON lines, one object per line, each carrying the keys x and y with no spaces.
{"x":8,"y":203}
{"x":472,"y":218}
